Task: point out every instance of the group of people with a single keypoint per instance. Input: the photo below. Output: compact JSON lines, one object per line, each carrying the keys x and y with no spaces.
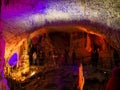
{"x":94,"y":57}
{"x":65,"y":58}
{"x":36,"y":54}
{"x":38,"y":58}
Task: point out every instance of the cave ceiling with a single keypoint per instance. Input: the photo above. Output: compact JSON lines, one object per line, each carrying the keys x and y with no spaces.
{"x":20,"y":17}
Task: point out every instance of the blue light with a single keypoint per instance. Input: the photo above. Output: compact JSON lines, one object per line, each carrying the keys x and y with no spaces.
{"x":13,"y":60}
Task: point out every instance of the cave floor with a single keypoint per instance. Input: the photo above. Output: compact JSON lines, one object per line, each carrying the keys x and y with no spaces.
{"x":61,"y":78}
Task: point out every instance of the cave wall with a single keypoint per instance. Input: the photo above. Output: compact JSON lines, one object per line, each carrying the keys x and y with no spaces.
{"x":20,"y":18}
{"x":100,"y":17}
{"x":103,"y":11}
{"x":85,"y":43}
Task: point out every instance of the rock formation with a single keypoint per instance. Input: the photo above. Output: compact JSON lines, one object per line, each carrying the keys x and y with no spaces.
{"x":3,"y":81}
{"x":22,"y":17}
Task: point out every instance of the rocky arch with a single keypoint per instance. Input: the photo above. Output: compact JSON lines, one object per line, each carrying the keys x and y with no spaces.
{"x":19,"y":18}
{"x":109,"y":34}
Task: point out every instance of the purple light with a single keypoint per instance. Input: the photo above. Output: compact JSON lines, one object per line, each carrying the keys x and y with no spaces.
{"x":13,"y":60}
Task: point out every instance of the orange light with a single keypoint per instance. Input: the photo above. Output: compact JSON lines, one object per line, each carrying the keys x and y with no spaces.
{"x":81,"y":78}
{"x":88,"y":46}
{"x":89,"y":31}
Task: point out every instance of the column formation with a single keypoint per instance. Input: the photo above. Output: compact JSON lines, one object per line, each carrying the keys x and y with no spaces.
{"x":81,"y":79}
{"x":25,"y":62}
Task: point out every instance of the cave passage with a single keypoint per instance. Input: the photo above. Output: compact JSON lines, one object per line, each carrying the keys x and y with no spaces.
{"x":51,"y":59}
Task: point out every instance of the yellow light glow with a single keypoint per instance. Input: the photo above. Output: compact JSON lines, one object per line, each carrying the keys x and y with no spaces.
{"x":81,"y":78}
{"x":33,"y":73}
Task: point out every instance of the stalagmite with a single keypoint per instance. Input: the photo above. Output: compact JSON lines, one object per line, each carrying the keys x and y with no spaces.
{"x":81,"y":78}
